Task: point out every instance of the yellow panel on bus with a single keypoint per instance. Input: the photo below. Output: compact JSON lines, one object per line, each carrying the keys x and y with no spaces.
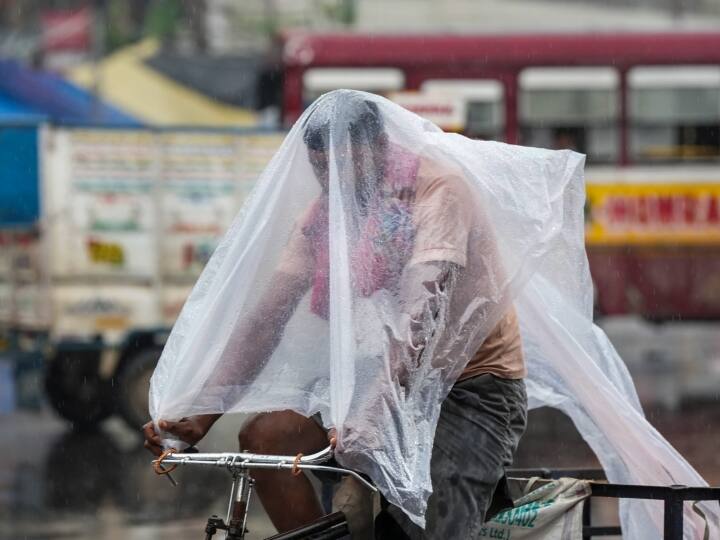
{"x":653,"y":213}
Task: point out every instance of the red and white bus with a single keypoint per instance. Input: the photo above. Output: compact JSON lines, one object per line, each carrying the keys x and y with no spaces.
{"x":644,"y":107}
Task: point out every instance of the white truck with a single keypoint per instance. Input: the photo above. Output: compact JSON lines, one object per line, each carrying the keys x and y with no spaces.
{"x":128,"y":219}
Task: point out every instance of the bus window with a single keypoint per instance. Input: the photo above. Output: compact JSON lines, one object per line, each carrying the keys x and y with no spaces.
{"x":575,"y":108}
{"x":674,"y":113}
{"x":483,"y":101}
{"x":317,"y":81}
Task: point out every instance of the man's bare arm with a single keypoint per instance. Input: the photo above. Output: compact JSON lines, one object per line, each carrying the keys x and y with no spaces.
{"x":255,"y":337}
{"x":253,"y":342}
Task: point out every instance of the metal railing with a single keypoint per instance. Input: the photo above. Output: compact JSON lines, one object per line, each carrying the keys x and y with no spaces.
{"x":673,"y":498}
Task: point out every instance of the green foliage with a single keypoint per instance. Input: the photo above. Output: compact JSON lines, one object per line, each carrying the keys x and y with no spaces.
{"x":120,"y":30}
{"x":162,"y":18}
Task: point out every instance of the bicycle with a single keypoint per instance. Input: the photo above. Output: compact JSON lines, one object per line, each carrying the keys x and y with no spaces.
{"x":239,"y":464}
{"x":334,"y":526}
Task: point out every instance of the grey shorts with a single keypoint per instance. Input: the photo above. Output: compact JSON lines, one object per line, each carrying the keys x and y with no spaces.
{"x":481,"y":422}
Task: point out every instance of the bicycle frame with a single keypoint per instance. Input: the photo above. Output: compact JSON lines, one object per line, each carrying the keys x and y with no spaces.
{"x":239,"y":465}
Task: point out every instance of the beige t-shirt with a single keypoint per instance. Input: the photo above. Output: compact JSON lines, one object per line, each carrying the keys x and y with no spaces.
{"x":448,"y":228}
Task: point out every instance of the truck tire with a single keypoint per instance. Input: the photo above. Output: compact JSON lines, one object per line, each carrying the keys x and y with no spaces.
{"x":133,"y":383}
{"x":75,"y":389}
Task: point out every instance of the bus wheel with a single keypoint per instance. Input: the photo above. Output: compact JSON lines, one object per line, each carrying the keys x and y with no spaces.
{"x":75,"y":389}
{"x":133,"y":384}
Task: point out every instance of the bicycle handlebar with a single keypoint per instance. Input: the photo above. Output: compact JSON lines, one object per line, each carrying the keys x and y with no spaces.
{"x":236,"y":461}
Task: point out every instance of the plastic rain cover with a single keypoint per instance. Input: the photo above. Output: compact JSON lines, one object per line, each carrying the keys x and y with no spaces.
{"x":373,"y":257}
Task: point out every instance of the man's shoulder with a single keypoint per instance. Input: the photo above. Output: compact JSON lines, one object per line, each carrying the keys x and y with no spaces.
{"x":435,"y":174}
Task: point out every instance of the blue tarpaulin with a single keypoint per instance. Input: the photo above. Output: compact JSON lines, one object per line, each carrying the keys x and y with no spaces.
{"x":19,"y":198}
{"x":27,"y":98}
{"x":14,"y":112}
{"x":50,"y":95}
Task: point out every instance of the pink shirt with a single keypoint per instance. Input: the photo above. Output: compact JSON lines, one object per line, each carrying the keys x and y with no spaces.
{"x":447,"y":227}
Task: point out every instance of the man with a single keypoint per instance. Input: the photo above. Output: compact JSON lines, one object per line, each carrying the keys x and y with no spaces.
{"x":420,"y":243}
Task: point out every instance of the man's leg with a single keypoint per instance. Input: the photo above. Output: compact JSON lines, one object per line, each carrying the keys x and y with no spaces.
{"x":289,"y":500}
{"x":480,"y":425}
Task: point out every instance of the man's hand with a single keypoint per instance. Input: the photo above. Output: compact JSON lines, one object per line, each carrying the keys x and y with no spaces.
{"x":189,"y":430}
{"x":332,"y":437}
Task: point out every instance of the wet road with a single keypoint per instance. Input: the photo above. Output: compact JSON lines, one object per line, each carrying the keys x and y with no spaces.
{"x":55,"y":483}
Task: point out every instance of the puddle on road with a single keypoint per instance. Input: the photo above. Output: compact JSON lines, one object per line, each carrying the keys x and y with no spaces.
{"x":86,"y":485}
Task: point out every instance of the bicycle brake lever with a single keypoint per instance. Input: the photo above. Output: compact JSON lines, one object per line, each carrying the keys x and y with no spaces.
{"x":172,"y":480}
{"x":188,"y":450}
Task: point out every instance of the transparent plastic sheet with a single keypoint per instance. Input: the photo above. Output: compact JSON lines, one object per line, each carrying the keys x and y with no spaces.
{"x":572,"y":366}
{"x":372,"y":259}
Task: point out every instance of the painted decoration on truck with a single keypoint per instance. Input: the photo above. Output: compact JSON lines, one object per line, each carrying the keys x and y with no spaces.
{"x":255,"y":152}
{"x":111,"y":310}
{"x":199,"y":177}
{"x":113,"y":176}
{"x":172,"y":301}
{"x":145,"y":205}
{"x":6,"y":304}
{"x":23,"y":302}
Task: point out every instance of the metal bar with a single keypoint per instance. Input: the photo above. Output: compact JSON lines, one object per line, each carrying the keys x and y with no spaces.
{"x":233,"y":493}
{"x":701,"y":493}
{"x":355,"y":475}
{"x":246,"y":497}
{"x":704,"y":493}
{"x":336,"y":533}
{"x":590,"y":532}
{"x":236,"y":464}
{"x":583,"y":474}
{"x":318,"y":457}
{"x":673,"y":529}
{"x":630,"y":491}
{"x":587,"y":518}
{"x":319,"y":525}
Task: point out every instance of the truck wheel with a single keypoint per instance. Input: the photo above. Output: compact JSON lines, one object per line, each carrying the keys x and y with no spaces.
{"x":133,"y":382}
{"x":76,"y":390}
